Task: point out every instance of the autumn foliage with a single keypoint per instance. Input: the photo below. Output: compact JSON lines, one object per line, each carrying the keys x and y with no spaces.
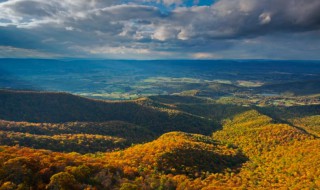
{"x":140,"y":145}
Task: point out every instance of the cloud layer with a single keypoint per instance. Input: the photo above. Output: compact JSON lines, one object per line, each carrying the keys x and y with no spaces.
{"x":153,"y":29}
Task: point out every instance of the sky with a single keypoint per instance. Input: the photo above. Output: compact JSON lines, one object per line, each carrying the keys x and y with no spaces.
{"x":160,"y":29}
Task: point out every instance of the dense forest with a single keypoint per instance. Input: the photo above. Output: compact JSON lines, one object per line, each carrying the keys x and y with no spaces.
{"x":61,"y":141}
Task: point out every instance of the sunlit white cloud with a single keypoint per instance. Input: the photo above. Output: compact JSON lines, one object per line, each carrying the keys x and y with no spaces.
{"x":204,"y":55}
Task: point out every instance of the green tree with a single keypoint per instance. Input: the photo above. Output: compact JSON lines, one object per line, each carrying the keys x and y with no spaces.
{"x":62,"y":181}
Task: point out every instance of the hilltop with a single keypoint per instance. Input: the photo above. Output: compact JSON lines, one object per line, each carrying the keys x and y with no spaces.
{"x":180,"y":153}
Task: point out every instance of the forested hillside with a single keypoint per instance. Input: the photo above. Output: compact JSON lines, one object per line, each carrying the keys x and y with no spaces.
{"x":61,"y":107}
{"x":62,"y":141}
{"x":296,"y":88}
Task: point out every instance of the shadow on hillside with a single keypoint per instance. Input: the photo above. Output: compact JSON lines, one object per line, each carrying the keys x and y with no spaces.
{"x":197,"y":163}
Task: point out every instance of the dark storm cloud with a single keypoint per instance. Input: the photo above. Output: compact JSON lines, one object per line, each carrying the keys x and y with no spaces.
{"x":237,"y":18}
{"x":141,"y":28}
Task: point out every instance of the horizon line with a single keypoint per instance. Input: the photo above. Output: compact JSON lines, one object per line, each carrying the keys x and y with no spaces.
{"x":107,"y":59}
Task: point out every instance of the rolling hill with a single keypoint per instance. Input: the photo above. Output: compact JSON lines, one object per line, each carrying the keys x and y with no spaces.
{"x":150,"y":143}
{"x":296,"y":88}
{"x":47,"y":107}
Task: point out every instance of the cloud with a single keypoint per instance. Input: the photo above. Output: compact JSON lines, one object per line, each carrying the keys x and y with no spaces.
{"x":238,"y":18}
{"x":265,"y":18}
{"x":164,"y":33}
{"x":33,"y":13}
{"x":171,"y":2}
{"x":204,"y":55}
{"x":14,"y":52}
{"x":145,"y":27}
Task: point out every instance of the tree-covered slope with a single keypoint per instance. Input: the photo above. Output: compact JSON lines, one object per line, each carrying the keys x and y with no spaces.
{"x":131,"y":132}
{"x":62,"y":107}
{"x":255,"y":148}
{"x":280,"y":156}
{"x":160,"y":164}
{"x":307,"y":87}
{"x":309,"y":123}
{"x":256,"y":133}
{"x":179,"y":153}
